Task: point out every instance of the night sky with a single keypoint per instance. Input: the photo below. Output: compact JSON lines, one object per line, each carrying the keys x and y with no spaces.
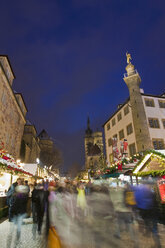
{"x":69,"y":58}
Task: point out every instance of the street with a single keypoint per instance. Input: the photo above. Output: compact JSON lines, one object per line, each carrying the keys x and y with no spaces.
{"x":26,"y":236}
{"x":28,"y":241}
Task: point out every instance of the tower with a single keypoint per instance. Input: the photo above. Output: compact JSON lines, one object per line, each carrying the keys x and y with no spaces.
{"x":133,"y":80}
{"x":88,"y":137}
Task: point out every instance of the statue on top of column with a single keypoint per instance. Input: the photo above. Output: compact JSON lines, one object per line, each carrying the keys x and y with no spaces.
{"x":128,"y":55}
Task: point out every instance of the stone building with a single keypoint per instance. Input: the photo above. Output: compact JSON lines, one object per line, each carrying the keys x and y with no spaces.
{"x":138,"y":123}
{"x":30,"y":148}
{"x":93,"y":147}
{"x":12,"y":110}
{"x":47,"y":153}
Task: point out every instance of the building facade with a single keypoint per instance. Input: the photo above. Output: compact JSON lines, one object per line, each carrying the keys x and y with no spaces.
{"x":30,"y":148}
{"x":93,"y":147}
{"x":47,"y":154}
{"x":12,"y":111}
{"x":139,"y":122}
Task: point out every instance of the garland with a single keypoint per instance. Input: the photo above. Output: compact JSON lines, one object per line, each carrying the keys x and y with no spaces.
{"x":137,"y":158}
{"x":12,"y":170}
{"x":152,"y":173}
{"x":7,"y":163}
{"x":109,"y":170}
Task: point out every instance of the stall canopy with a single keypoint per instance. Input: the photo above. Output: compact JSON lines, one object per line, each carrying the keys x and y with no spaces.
{"x":7,"y":163}
{"x":31,"y":168}
{"x":153,"y":163}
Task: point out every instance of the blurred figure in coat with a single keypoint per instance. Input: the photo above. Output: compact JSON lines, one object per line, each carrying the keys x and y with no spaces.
{"x":18,"y":211}
{"x":39,"y":201}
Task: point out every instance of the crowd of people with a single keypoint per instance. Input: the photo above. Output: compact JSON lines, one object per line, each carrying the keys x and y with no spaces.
{"x":87,"y":214}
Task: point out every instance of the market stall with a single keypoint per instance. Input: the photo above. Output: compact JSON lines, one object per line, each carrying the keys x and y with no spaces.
{"x":10,"y":171}
{"x":152,"y":164}
{"x":122,"y":169}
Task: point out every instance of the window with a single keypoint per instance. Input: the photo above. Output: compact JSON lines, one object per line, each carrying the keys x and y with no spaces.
{"x":158,"y":144}
{"x":121,"y":134}
{"x":163,"y":121}
{"x":119,"y":116}
{"x":113,"y":122}
{"x":108,"y":126}
{"x":132,"y":149}
{"x":110,"y":142}
{"x":129,"y":129}
{"x":149,"y":102}
{"x":126,"y":110}
{"x":153,"y":122}
{"x":115,"y":136}
{"x":161,"y":104}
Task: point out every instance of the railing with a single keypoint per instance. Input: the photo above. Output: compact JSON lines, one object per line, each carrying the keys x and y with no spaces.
{"x":130,"y":73}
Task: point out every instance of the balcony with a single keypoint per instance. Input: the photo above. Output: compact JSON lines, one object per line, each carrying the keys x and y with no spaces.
{"x":130,"y":73}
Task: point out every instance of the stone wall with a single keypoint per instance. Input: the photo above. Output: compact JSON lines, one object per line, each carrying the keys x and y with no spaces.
{"x":32,"y":148}
{"x":12,"y":120}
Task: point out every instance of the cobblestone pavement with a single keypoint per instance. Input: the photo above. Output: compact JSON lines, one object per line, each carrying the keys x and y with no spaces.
{"x":27,"y":240}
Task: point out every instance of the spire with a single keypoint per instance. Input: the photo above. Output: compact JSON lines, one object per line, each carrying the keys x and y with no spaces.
{"x":88,"y":131}
{"x":88,"y":123}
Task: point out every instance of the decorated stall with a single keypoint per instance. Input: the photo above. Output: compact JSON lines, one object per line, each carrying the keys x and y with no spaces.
{"x":152,"y":164}
{"x":10,"y":170}
{"x":122,"y":169}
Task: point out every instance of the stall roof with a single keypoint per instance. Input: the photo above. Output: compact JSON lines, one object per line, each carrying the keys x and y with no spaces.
{"x":31,"y":168}
{"x":153,"y":163}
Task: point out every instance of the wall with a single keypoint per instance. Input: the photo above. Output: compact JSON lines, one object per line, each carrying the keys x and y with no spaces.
{"x":155,"y":112}
{"x":12,"y":120}
{"x":122,"y":124}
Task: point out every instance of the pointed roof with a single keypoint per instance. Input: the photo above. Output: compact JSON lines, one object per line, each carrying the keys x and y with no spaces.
{"x":44,"y":135}
{"x":93,"y":149}
{"x":88,"y":131}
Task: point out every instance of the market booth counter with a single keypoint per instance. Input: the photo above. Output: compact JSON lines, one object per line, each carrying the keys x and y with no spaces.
{"x":9,"y":172}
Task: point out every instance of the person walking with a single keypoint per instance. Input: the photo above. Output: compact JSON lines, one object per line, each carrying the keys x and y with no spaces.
{"x":148,"y":210}
{"x":18,"y":211}
{"x":10,"y":196}
{"x":39,"y":201}
{"x":123,"y":212}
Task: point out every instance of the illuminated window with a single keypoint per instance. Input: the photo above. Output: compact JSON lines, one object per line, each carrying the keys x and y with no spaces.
{"x":158,"y":144}
{"x":149,"y":102}
{"x":113,"y":121}
{"x":126,"y":110}
{"x":121,"y":134}
{"x":129,"y":129}
{"x":161,"y":104}
{"x":119,"y":116}
{"x":153,"y":122}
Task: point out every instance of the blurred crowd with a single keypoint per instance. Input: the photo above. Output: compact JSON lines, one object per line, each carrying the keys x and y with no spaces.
{"x":87,"y":214}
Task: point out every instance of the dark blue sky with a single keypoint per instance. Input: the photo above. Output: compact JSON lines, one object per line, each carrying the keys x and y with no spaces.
{"x":69,"y":60}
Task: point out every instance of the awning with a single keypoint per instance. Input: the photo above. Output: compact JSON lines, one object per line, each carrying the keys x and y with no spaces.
{"x":111,"y":175}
